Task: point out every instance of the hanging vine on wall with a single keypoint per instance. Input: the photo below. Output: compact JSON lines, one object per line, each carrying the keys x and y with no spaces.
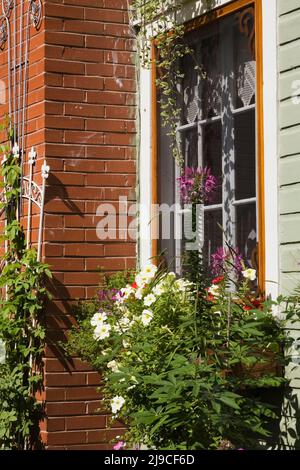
{"x":22,"y":281}
{"x":157,"y":19}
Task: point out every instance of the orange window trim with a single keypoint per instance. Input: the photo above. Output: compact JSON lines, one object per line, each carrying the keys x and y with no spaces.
{"x":195,"y":24}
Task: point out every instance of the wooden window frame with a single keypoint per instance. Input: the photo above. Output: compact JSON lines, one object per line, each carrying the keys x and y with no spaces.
{"x":191,"y":25}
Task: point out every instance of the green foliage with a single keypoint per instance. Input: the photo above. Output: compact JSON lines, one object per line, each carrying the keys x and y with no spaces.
{"x":181,"y":368}
{"x":22,"y":333}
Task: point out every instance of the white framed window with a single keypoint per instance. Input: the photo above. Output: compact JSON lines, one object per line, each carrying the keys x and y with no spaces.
{"x":242,"y":116}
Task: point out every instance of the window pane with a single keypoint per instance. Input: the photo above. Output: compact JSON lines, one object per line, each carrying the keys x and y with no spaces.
{"x":211,"y":82}
{"x":212,"y":155}
{"x":245,"y":184}
{"x":246,"y":233}
{"x":190,"y":92}
{"x":213,"y":234}
{"x":245,"y":73}
{"x":190,"y":147}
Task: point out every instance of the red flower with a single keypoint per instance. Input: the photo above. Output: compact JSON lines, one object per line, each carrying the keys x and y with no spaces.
{"x":257,"y":303}
{"x":209,"y":297}
{"x":134,"y":285}
{"x":217,"y":280}
{"x":247,"y":308}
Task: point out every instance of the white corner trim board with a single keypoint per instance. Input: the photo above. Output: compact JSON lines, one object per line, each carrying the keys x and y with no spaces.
{"x":270,"y":103}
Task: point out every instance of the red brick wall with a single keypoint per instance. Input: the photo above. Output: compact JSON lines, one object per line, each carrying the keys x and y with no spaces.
{"x":81,"y":118}
{"x":90,"y":147}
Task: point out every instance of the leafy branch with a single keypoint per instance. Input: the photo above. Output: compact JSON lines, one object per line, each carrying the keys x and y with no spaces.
{"x":22,"y":331}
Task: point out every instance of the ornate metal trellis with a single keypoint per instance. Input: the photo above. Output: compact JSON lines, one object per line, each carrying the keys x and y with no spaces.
{"x":17,"y":20}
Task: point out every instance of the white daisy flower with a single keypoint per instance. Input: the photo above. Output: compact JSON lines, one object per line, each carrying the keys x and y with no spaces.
{"x":249,"y":274}
{"x":182,"y":285}
{"x":214,"y":290}
{"x":171,"y":274}
{"x":159,"y":289}
{"x":102,"y":331}
{"x":149,"y":300}
{"x":98,"y":318}
{"x":116,"y":404}
{"x":113,"y":365}
{"x":124,"y":323}
{"x":146,"y":317}
{"x":141,"y":281}
{"x":149,"y":271}
{"x":139,"y":294}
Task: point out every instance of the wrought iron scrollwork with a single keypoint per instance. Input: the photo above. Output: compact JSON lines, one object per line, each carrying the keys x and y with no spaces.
{"x":247,"y":27}
{"x":7,"y":6}
{"x":35,"y":8}
{"x":3,"y":32}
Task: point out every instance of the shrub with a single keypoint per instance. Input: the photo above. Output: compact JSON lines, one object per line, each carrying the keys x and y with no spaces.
{"x":180,"y":363}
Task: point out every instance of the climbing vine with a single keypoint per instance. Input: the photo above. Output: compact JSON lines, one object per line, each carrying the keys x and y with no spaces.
{"x":22,"y":333}
{"x":155,"y":20}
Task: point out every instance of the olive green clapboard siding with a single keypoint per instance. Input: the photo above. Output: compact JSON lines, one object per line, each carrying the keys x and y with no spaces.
{"x":289,"y":197}
{"x":289,"y":141}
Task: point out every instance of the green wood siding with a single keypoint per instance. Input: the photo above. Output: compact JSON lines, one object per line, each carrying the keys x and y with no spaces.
{"x":289,"y":194}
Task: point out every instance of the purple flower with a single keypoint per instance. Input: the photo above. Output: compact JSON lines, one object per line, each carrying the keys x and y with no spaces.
{"x":218,"y":261}
{"x":221,"y":258}
{"x":197,"y":185}
{"x":107,"y":295}
{"x":119,"y":445}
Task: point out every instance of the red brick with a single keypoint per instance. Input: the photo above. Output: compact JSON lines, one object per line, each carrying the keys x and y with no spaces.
{"x":65,"y":379}
{"x":82,"y":278}
{"x":96,"y":264}
{"x":103,"y":42}
{"x":82,"y":393}
{"x":83,"y":138}
{"x":65,"y":235}
{"x":119,"y":84}
{"x":55,"y":424}
{"x":106,"y":97}
{"x":86,"y":166}
{"x":60,"y":122}
{"x":105,"y":152}
{"x":65,"y":408}
{"x":123,"y":249}
{"x":53,"y":250}
{"x":87,"y":250}
{"x":86,"y":422}
{"x":95,"y":407}
{"x":109,"y":16}
{"x":120,"y":167}
{"x":63,"y":66}
{"x":105,"y":125}
{"x":63,"y":94}
{"x":69,"y":179}
{"x":63,"y":11}
{"x":64,"y":38}
{"x":117,"y":30}
{"x":62,"y":264}
{"x":85,"y":27}
{"x":58,"y":206}
{"x":86,"y":110}
{"x":103,"y":435}
{"x":87,"y":83}
{"x":93,"y":378}
{"x":106,"y":70}
{"x":70,"y":437}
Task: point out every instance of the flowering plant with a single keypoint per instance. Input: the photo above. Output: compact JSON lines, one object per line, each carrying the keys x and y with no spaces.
{"x":197,"y":185}
{"x":171,"y":355}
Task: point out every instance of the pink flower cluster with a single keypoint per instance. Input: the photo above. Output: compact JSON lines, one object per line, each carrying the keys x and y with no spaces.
{"x":197,"y":185}
{"x":221,"y":257}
